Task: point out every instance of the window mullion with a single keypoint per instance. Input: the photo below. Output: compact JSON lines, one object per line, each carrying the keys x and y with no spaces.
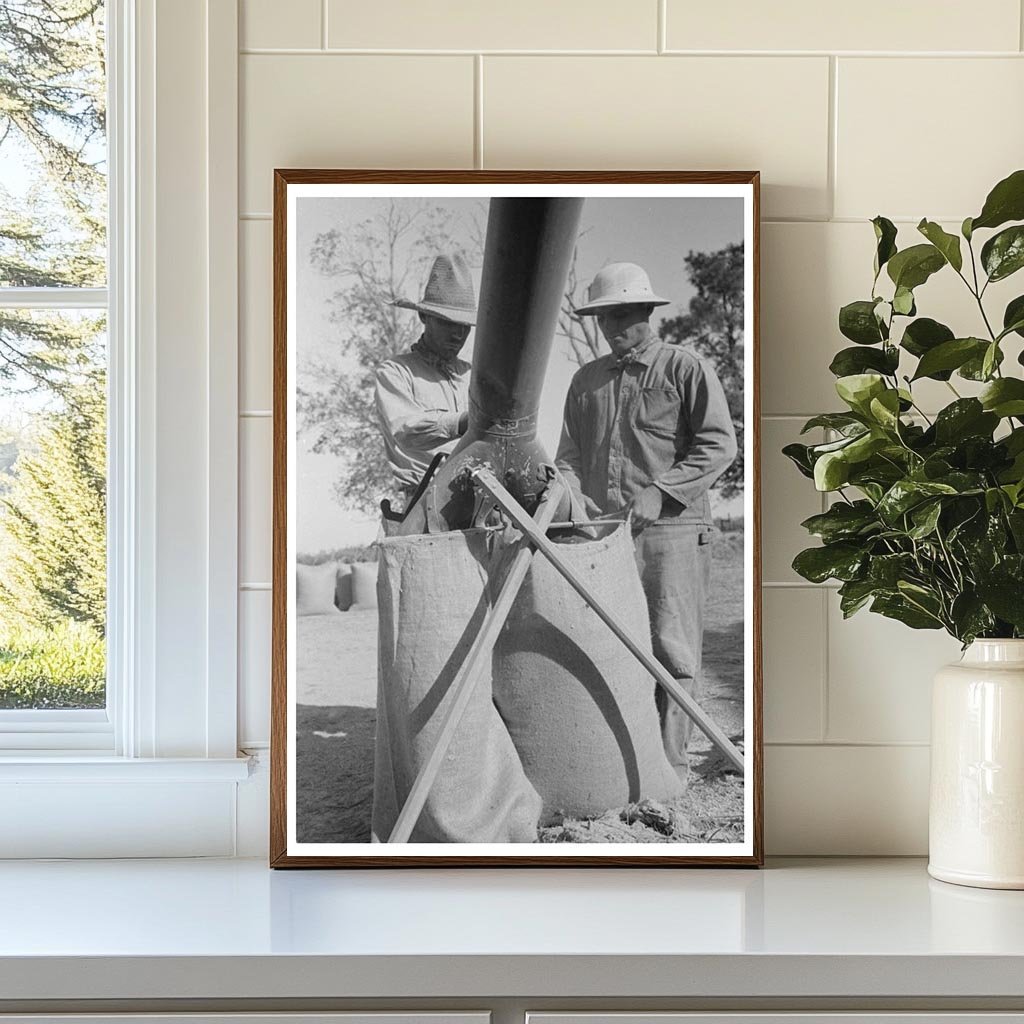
{"x":53,"y":298}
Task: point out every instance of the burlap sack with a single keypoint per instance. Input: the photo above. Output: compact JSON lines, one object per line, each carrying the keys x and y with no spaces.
{"x":432,"y":596}
{"x":579,"y":707}
{"x":314,"y":589}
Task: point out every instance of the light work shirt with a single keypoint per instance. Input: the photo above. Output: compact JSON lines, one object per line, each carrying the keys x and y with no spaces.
{"x":419,"y":402}
{"x":661,"y":417}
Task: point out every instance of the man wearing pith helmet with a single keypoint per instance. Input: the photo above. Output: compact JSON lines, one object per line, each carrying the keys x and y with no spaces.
{"x":422,"y":395}
{"x":647,"y":428}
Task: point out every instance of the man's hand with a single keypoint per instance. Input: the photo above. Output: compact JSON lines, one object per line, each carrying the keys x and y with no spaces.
{"x":646,"y":507}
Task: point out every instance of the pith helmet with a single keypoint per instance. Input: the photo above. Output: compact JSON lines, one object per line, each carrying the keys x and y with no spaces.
{"x":619,"y":284}
{"x":449,"y":292}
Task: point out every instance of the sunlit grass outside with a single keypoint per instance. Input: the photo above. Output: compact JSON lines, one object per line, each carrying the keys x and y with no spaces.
{"x":62,"y":666}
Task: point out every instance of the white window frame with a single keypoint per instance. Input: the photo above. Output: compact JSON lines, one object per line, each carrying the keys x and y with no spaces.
{"x":157,"y":773}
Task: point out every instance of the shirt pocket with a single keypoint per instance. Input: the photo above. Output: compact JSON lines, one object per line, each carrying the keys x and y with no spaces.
{"x":657,"y":412}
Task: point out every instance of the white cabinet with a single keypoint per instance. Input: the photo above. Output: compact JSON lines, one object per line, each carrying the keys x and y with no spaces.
{"x":788,"y":1017}
{"x":362,"y":1017}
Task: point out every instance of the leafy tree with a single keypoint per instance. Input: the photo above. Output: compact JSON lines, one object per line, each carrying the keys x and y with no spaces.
{"x":714,"y":327}
{"x":53,"y":518}
{"x":385,"y":257}
{"x":52,"y":124}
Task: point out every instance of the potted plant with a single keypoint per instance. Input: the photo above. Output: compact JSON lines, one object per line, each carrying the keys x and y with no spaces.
{"x":927,"y":521}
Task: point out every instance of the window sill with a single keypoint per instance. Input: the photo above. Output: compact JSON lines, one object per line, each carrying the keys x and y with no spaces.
{"x":74,"y":766}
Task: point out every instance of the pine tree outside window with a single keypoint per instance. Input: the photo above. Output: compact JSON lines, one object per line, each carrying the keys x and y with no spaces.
{"x":53,"y":367}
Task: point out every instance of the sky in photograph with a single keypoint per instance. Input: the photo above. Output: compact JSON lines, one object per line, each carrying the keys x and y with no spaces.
{"x":657,"y":233}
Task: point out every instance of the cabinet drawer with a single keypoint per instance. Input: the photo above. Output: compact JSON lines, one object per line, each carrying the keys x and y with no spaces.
{"x":958,"y":1017}
{"x":360,"y":1017}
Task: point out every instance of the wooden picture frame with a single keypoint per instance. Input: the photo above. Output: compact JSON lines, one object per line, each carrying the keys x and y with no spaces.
{"x":323,"y":779}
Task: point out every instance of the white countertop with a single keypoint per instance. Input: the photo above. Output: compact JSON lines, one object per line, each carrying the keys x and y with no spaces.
{"x":235,"y":929}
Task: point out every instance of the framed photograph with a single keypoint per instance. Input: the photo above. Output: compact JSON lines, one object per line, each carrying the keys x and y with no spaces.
{"x":516,"y":552}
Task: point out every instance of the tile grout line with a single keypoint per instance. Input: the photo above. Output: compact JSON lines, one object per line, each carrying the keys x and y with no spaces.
{"x":336,"y":51}
{"x":662,"y":42}
{"x":478,"y":111}
{"x":1020,"y":22}
{"x":323,"y":24}
{"x":831,"y":171}
{"x":824,"y":714}
{"x":826,"y":690}
{"x":851,"y":744}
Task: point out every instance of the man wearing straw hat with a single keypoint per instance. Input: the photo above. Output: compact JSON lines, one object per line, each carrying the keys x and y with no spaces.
{"x":647,"y":429}
{"x":422,"y":395}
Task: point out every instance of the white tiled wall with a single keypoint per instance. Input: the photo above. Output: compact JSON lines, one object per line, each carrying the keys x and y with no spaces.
{"x":906,"y":109}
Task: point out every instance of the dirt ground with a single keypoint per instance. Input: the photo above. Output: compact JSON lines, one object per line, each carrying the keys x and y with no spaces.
{"x":337,"y":677}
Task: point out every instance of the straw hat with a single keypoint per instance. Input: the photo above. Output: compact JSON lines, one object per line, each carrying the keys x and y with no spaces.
{"x":449,"y":292}
{"x":619,"y":284}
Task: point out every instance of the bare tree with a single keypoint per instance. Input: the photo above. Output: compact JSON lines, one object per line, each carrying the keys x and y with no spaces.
{"x":383,"y":258}
{"x":580,"y":331}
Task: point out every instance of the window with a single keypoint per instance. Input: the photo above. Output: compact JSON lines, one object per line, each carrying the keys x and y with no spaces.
{"x":153,"y":762}
{"x":53,"y":371}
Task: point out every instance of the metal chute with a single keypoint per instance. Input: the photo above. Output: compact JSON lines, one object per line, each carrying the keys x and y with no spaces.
{"x":526,"y":260}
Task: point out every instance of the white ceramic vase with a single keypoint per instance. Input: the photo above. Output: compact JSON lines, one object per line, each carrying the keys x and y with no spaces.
{"x":976,"y":816}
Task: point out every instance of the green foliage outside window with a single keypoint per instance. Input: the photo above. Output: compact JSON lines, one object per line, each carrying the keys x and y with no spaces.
{"x":52,"y":365}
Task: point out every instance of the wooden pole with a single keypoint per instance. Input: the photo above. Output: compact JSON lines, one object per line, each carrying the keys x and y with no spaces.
{"x":476,"y":660}
{"x":671,"y":686}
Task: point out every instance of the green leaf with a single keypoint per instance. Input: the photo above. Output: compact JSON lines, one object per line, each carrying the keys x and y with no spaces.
{"x":947,"y":244}
{"x":885,"y":237}
{"x":970,"y":617}
{"x":949,"y":356}
{"x":843,"y":521}
{"x":1013,"y":317}
{"x":840,"y":561}
{"x":850,"y":361}
{"x":833,"y":420}
{"x":1004,"y":397}
{"x":885,"y":409}
{"x":974,"y":368}
{"x":903,"y":302}
{"x":831,"y":471}
{"x":1005,"y":202}
{"x":912,"y":267}
{"x":925,"y":518}
{"x":854,"y":594}
{"x":887,"y":570}
{"x":800,"y":456}
{"x":991,"y":360}
{"x":923,"y":335}
{"x":966,"y":417}
{"x":906,"y":494}
{"x":1003,"y":254}
{"x":1005,"y":596}
{"x":857,"y":321}
{"x":965,"y":229}
{"x":858,"y":389}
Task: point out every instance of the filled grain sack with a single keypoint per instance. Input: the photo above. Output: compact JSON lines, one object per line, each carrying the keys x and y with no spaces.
{"x":364,"y":585}
{"x":432,"y":598}
{"x":315,"y":586}
{"x":579,"y":707}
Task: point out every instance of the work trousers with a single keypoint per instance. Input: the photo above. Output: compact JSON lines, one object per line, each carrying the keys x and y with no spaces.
{"x":674,"y":560}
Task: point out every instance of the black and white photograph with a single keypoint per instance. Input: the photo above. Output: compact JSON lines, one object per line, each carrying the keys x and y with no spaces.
{"x":516,"y":561}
